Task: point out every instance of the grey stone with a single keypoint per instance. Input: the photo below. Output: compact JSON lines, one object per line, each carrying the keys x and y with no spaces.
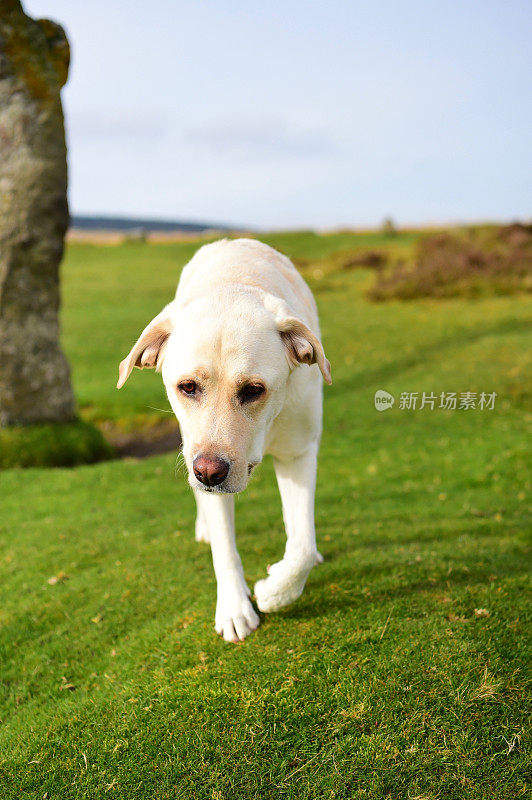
{"x":34,"y":374}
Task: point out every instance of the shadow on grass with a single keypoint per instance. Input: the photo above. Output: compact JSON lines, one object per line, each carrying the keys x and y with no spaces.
{"x":440,"y":537}
{"x":54,"y":444}
{"x":371,"y":544}
{"x":350,"y":597}
{"x":425,"y":353}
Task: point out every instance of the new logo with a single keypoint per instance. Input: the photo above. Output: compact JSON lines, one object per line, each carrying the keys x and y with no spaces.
{"x":383,"y":400}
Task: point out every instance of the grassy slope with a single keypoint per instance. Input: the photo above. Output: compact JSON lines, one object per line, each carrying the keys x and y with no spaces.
{"x":380,"y":681}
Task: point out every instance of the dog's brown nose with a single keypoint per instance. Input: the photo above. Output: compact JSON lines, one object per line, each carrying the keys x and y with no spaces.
{"x":210,"y":471}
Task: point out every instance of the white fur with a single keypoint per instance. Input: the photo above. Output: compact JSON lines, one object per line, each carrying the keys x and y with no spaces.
{"x":242,"y":313}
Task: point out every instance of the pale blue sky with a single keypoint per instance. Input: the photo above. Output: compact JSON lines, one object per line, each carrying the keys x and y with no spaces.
{"x":294,"y":113}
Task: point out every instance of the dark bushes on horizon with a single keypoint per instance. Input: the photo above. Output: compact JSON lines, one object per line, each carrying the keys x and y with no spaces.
{"x":373,"y":259}
{"x":465,"y":263}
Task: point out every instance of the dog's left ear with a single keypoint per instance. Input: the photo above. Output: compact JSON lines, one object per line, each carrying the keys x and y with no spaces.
{"x":302,"y":346}
{"x":149,"y":349}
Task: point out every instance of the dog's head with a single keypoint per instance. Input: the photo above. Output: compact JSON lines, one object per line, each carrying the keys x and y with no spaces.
{"x":225,"y":363}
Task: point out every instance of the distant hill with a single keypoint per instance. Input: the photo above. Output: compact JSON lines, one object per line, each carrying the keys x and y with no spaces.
{"x":90,"y":223}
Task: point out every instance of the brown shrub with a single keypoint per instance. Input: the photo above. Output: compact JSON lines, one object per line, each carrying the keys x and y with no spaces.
{"x":516,"y":234}
{"x":466,"y":264}
{"x":374,"y":259}
{"x":301,"y":262}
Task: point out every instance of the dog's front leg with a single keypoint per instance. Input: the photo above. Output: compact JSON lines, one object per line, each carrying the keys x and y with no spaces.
{"x":202,"y":530}
{"x":235,"y":616}
{"x":286,"y":579}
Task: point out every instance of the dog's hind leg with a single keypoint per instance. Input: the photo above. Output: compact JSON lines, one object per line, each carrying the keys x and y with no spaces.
{"x":287,"y":578}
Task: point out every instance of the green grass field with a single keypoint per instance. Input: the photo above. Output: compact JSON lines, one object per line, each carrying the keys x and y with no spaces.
{"x":402,"y":670}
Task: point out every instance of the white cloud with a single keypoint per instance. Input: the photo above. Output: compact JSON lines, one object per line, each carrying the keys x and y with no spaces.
{"x":121,"y":123}
{"x":267,"y":139}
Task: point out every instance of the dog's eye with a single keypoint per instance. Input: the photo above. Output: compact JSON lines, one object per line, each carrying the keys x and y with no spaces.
{"x":189,"y":388}
{"x":250,"y":392}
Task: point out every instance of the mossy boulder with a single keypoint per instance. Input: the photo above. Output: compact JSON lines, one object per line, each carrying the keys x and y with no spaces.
{"x":59,"y":444}
{"x":34,"y":374}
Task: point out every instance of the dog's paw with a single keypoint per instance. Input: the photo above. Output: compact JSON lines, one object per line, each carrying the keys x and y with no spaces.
{"x":284,"y":584}
{"x":319,"y":558}
{"x":235,"y":616}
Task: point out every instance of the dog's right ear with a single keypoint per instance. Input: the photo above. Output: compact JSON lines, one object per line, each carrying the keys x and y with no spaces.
{"x":150,"y":347}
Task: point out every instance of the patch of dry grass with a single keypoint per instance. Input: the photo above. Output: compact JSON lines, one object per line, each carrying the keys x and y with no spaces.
{"x":461,"y":264}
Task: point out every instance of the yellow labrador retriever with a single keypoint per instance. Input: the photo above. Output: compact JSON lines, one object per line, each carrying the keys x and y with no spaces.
{"x":240,"y":354}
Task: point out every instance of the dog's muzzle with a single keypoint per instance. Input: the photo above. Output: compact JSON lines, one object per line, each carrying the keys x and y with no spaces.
{"x":210,"y":471}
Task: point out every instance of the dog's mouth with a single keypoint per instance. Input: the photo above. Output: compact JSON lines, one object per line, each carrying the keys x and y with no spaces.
{"x":252,"y":466}
{"x":215,"y":489}
{"x":218,"y":489}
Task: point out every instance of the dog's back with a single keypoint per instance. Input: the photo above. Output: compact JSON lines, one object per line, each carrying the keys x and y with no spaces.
{"x":247,"y":263}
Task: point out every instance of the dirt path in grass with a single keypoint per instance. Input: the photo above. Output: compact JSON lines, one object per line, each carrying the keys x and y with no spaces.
{"x":159,"y":437}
